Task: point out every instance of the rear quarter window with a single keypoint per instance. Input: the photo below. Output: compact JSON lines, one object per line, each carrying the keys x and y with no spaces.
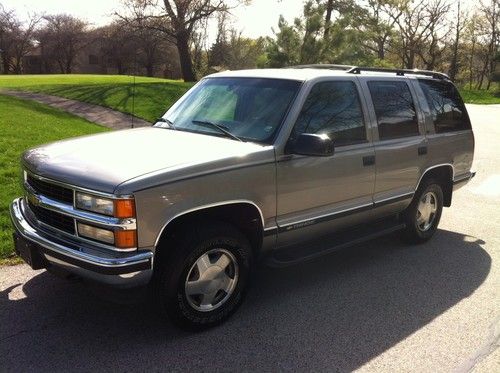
{"x":447,"y":108}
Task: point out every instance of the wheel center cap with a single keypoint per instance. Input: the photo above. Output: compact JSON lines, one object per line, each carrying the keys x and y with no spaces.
{"x":213,"y":277}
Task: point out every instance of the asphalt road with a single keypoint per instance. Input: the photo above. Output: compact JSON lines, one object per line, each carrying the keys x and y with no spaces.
{"x":381,"y":306}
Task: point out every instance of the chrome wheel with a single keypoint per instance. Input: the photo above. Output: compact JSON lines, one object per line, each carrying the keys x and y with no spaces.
{"x":426,"y":211}
{"x":211,"y":280}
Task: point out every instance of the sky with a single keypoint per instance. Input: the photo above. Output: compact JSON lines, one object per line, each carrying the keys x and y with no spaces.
{"x":254,"y":20}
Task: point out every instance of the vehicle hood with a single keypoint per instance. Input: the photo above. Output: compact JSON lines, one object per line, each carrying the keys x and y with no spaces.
{"x":102,"y":162}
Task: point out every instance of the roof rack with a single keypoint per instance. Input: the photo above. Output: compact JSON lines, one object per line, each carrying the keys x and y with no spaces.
{"x":399,"y":72}
{"x":323,"y":66}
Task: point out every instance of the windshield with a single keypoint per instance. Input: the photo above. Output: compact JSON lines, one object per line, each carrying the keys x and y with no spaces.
{"x":249,"y":109}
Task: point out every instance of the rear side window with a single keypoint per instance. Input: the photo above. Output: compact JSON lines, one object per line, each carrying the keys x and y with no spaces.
{"x":394,"y":108}
{"x":333,"y":108}
{"x":447,"y":108}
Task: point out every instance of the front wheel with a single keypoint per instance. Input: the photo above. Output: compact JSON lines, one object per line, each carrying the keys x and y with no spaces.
{"x":205,"y":279}
{"x":423,"y":215}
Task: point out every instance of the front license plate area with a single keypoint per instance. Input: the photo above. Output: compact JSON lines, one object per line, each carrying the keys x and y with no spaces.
{"x":29,"y":252}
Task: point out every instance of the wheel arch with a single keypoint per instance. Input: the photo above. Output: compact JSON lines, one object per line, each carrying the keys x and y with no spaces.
{"x":444,"y":173}
{"x":245,"y":215}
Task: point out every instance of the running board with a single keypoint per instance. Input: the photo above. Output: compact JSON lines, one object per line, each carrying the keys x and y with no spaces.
{"x":326,"y":245}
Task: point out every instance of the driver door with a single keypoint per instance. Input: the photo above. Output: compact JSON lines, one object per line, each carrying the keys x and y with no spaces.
{"x":318,"y":195}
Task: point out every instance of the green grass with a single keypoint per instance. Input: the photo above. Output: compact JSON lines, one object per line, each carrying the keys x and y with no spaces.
{"x":475,"y":96}
{"x":24,"y":124}
{"x":149,"y":98}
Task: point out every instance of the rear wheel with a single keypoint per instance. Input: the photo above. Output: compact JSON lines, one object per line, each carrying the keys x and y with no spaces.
{"x":205,"y":278}
{"x":423,"y":215}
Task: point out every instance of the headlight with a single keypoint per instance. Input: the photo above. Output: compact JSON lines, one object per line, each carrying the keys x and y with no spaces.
{"x":120,"y":208}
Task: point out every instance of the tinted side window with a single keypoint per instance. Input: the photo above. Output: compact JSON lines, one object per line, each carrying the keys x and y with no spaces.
{"x":447,"y":108}
{"x":395,"y":110}
{"x":333,"y":108}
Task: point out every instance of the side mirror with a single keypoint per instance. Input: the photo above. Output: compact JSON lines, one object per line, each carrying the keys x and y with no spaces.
{"x":313,"y":145}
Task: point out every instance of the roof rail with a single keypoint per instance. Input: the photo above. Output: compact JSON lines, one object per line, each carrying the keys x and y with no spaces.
{"x":399,"y":72}
{"x":323,"y":66}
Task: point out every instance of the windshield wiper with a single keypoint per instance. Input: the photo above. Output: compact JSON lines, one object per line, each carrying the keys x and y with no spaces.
{"x":222,"y":129}
{"x":168,"y":121}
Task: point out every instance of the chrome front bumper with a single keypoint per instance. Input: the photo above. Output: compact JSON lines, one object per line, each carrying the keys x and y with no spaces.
{"x":120,"y":269}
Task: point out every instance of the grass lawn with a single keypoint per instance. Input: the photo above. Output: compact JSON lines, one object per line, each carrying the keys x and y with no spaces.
{"x":153,"y":96}
{"x":475,"y":96}
{"x":24,"y":124}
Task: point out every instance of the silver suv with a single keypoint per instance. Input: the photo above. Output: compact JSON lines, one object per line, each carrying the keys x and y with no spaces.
{"x":281,"y":164}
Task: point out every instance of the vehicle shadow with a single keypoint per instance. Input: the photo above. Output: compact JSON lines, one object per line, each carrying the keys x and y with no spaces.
{"x":334,"y":314}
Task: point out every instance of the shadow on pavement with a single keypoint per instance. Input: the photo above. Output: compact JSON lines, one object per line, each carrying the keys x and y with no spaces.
{"x":336,"y":313}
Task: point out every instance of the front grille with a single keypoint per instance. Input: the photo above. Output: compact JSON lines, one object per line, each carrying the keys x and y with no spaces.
{"x":54,"y":219}
{"x":50,"y":190}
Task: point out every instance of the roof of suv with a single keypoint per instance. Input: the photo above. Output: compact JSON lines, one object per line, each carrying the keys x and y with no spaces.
{"x":303,"y":73}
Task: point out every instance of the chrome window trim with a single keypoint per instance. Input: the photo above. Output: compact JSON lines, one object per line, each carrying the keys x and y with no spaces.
{"x":77,"y":188}
{"x":210,"y":205}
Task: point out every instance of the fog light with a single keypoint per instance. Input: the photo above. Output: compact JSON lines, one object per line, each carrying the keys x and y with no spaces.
{"x":98,"y":234}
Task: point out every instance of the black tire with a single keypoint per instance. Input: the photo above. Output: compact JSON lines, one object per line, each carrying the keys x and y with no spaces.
{"x":184,"y":252}
{"x":414,"y":232}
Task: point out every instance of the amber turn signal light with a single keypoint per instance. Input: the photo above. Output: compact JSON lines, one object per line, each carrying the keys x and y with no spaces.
{"x":126,"y":239}
{"x":124,"y":208}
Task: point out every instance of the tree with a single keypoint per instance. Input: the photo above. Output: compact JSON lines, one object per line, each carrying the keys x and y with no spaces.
{"x":9,"y":27}
{"x":379,"y":22}
{"x":459,"y":26}
{"x":177,"y":19}
{"x":16,"y":39}
{"x":418,"y":26}
{"x":284,"y":50}
{"x":117,"y":46}
{"x":61,"y":39}
{"x":491,"y":13}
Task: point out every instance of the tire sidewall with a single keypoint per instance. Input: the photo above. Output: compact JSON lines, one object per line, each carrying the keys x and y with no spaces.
{"x":173,"y":283}
{"x":420,"y":235}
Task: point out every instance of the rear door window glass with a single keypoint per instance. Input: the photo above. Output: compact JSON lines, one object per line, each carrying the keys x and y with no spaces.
{"x":394,"y":108}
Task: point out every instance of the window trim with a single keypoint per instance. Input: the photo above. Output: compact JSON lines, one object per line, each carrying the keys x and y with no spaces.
{"x":361,"y":101}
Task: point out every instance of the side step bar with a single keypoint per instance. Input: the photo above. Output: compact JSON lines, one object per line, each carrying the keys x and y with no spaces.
{"x":325,"y":245}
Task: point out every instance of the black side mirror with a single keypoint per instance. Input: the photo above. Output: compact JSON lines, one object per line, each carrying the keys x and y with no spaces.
{"x":313,"y":145}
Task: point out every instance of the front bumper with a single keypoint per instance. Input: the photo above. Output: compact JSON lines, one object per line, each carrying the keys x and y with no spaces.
{"x":113,"y":268}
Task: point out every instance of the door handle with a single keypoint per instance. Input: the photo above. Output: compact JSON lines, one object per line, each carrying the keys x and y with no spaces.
{"x":422,"y":150}
{"x":369,"y":160}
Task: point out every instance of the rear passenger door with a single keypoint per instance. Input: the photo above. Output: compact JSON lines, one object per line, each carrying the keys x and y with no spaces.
{"x":399,"y":142}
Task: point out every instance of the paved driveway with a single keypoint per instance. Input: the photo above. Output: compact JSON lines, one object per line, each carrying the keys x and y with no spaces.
{"x":380,"y":306}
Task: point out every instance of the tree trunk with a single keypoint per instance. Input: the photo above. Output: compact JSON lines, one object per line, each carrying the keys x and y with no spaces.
{"x":381,"y":49}
{"x":5,"y":60}
{"x":185,"y":58}
{"x":454,"y":59}
{"x":328,"y":18}
{"x":149,"y":70}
